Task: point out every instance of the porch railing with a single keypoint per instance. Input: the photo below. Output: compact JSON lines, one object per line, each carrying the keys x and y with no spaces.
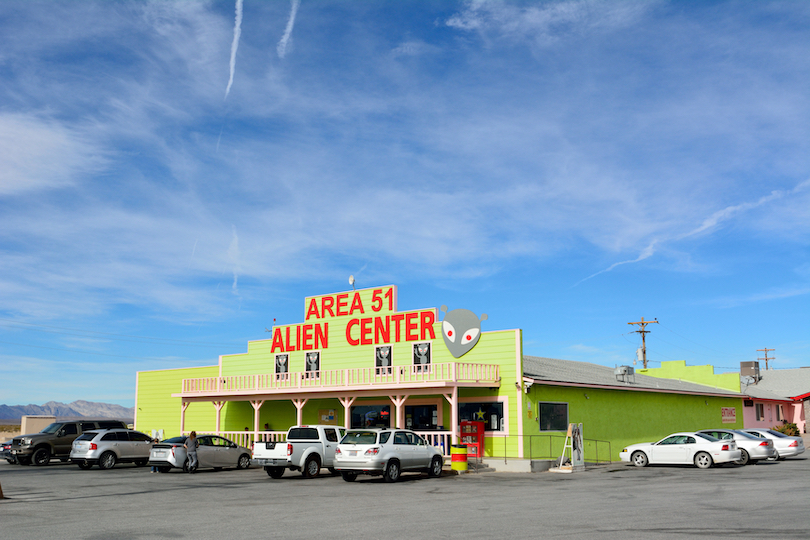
{"x":342,"y":378}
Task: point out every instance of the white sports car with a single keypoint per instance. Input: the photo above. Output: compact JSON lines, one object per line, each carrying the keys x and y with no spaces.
{"x":682,"y":448}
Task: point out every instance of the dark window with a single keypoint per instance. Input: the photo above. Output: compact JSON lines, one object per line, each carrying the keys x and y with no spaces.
{"x":71,"y":429}
{"x":361,"y":437}
{"x":366,"y":416}
{"x":88,"y":436}
{"x":553,"y":416}
{"x":400,"y":438}
{"x":122,"y":435}
{"x":306,"y":434}
{"x":490,"y":413}
{"x":384,"y":437}
{"x":331,"y":435}
{"x":139,"y":437}
{"x":109,"y":437}
{"x":87,"y":426}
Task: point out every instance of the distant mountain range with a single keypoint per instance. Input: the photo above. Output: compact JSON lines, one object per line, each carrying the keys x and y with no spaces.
{"x":77,"y":409}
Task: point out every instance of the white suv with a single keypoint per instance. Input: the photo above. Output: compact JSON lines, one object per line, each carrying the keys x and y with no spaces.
{"x":107,"y":447}
{"x":386,"y":452}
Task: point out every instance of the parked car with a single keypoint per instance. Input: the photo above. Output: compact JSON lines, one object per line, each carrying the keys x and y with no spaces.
{"x":106,"y":447}
{"x":306,"y":449}
{"x":682,"y":448}
{"x":5,"y":452}
{"x":785,"y":445}
{"x":213,"y":451}
{"x":56,"y":440}
{"x":386,"y":452}
{"x":752,"y":449}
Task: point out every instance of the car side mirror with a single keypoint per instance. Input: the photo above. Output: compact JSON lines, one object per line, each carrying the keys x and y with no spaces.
{"x":60,"y":433}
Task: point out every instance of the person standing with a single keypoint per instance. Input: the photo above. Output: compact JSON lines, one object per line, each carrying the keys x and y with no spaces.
{"x":191,"y":445}
{"x":155,"y":440}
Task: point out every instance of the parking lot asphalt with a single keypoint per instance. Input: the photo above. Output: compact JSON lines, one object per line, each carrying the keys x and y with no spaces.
{"x":606,"y":501}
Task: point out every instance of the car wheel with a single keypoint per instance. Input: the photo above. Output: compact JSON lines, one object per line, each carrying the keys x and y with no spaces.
{"x":185,"y":466}
{"x":312,"y":467}
{"x":703,"y":460}
{"x":24,"y":461}
{"x":164,"y":469}
{"x":349,"y":476}
{"x":391,"y":473}
{"x":244,"y":462}
{"x":274,"y":472}
{"x":42,"y":456}
{"x":639,"y":459}
{"x":107,"y":460}
{"x":332,"y":471}
{"x":775,"y":456}
{"x":83,"y":465}
{"x":435,"y":467}
{"x":744,"y":458}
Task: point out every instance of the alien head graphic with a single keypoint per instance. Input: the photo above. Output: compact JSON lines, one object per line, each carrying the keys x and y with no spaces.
{"x":461,"y":330}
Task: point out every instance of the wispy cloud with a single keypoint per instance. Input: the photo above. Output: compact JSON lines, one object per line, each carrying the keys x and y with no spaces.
{"x":284,"y":42}
{"x":234,"y":257}
{"x":646,"y":253}
{"x":237,"y":32}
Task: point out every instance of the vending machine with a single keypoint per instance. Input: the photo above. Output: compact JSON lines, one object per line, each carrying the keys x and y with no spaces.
{"x":472,"y":435}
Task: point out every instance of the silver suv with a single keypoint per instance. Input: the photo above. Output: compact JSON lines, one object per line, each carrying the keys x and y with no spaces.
{"x":386,"y":452}
{"x":107,"y":447}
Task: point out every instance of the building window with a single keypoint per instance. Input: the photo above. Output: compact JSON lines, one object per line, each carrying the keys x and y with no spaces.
{"x":282,"y":366}
{"x":553,"y":416}
{"x":491,"y":413}
{"x":382,"y":360}
{"x":364,"y":416}
{"x":760,"y":411}
{"x":421,"y":356}
{"x":779,"y":413}
{"x":313,"y":365}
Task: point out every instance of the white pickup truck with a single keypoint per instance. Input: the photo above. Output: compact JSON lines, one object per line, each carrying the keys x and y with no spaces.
{"x":307,"y":449}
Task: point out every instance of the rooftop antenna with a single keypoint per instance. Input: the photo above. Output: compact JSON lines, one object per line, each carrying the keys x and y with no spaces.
{"x":351,"y":282}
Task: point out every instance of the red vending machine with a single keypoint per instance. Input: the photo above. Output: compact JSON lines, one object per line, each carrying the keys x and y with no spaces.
{"x":472,"y":435}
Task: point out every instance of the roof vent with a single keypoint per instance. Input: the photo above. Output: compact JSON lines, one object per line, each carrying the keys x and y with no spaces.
{"x":623,"y":374}
{"x":750,"y":369}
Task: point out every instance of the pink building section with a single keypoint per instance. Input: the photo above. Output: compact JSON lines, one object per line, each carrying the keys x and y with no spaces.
{"x":772,"y":413}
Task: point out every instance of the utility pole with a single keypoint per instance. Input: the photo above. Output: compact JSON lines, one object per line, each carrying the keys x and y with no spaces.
{"x":766,"y":356}
{"x":643,"y":325}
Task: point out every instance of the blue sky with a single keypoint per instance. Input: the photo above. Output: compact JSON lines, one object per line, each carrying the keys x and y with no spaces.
{"x":176,"y":175}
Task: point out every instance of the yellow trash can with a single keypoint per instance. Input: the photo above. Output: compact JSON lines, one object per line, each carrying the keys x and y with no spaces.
{"x":458,"y":458}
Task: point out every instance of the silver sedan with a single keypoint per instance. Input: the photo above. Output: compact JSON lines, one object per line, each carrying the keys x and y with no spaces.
{"x":214,"y":452}
{"x":785,"y":445}
{"x":752,"y":449}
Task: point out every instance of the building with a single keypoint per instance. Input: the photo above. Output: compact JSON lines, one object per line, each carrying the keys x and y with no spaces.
{"x":357,"y":361}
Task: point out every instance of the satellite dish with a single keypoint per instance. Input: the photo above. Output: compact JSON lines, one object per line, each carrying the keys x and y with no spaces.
{"x":351,"y":281}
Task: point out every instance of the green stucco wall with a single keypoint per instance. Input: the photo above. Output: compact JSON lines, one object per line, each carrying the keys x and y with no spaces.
{"x":619,"y":417}
{"x":677,"y":369}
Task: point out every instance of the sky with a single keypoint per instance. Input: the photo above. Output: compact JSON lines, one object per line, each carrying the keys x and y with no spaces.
{"x":176,"y":176}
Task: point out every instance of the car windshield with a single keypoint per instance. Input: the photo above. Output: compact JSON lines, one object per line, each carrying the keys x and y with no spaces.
{"x":360,"y":437}
{"x":707,"y":437}
{"x":53,"y":428}
{"x":777,"y":434}
{"x":744,"y":434}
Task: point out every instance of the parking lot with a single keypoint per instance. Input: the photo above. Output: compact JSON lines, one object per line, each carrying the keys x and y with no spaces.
{"x":608,"y":501}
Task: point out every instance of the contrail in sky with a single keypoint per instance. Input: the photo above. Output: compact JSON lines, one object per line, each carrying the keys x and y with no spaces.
{"x":645,"y":254}
{"x":285,"y":39}
{"x":237,"y":31}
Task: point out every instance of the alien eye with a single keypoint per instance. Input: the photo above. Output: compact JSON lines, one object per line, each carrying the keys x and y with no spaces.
{"x":449,"y":331}
{"x":470,"y":335}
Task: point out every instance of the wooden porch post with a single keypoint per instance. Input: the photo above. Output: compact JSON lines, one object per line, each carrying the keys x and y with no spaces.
{"x":398,"y":402}
{"x":218,"y":405}
{"x":257,"y":405}
{"x":183,"y":406}
{"x":453,"y":399}
{"x":347,"y":403}
{"x":299,"y":405}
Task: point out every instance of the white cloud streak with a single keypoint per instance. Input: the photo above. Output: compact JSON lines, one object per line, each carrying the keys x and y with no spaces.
{"x":237,"y":32}
{"x":284,"y":42}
